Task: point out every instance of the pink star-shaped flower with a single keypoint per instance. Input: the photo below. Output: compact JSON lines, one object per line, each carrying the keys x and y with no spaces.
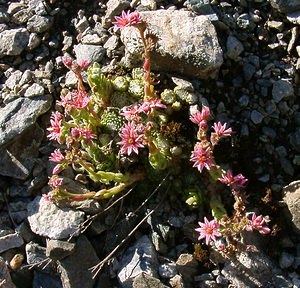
{"x":208,"y":230}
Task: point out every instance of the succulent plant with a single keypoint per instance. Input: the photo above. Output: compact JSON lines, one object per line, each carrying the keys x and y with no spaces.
{"x":120,"y":83}
{"x":136,"y":88}
{"x":120,"y":99}
{"x":137,"y":73}
{"x":168,"y":96}
{"x":111,"y":121}
{"x":100,"y":85}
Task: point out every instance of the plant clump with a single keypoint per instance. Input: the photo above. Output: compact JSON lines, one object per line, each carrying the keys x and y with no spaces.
{"x":119,"y":131}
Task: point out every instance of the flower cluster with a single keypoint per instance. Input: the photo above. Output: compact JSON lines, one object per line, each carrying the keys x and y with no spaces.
{"x":117,"y":130}
{"x":223,"y":232}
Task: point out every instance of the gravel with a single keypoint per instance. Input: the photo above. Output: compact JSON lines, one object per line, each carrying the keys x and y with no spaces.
{"x":253,"y":84}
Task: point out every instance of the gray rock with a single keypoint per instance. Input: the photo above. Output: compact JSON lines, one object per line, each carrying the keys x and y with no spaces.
{"x":34,"y":90}
{"x":47,"y":219}
{"x":45,"y":280}
{"x":10,"y":241}
{"x":75,"y":269}
{"x":57,"y":249}
{"x":285,"y":5}
{"x":294,"y":139}
{"x":91,"y":53}
{"x":149,"y":4}
{"x":15,"y":7}
{"x":5,"y":279}
{"x":22,"y":16}
{"x":234,"y":47}
{"x":187,"y":44}
{"x":249,"y":71}
{"x":34,"y":41}
{"x":202,"y":7}
{"x":36,"y":255}
{"x":13,"y":42}
{"x":286,"y":260}
{"x":111,"y":44}
{"x":256,"y":117}
{"x":20,"y":114}
{"x":93,"y":39}
{"x":177,"y":281}
{"x":82,"y":25}
{"x":282,"y":89}
{"x":244,"y":101}
{"x":291,"y":196}
{"x":144,"y":280}
{"x":114,"y":8}
{"x":39,"y":7}
{"x":167,"y":270}
{"x":39,"y":24}
{"x":187,"y":266}
{"x":287,"y":166}
{"x":13,"y":80}
{"x":18,"y":210}
{"x":24,"y":231}
{"x":141,"y":257}
{"x":251,"y":270}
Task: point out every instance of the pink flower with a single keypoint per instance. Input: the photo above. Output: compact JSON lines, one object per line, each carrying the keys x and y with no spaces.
{"x":130,"y":112}
{"x":127,"y":19}
{"x":47,"y":197}
{"x":199,"y":117}
{"x":208,"y":230}
{"x":55,"y":181}
{"x":80,"y":99}
{"x":84,"y":64}
{"x":55,"y":128}
{"x":235,"y":182}
{"x":74,"y":100}
{"x":257,"y":223}
{"x":220,"y":132}
{"x":67,"y":61}
{"x":56,"y":156}
{"x":148,"y":105}
{"x":202,"y":157}
{"x":83,"y":134}
{"x":131,"y":141}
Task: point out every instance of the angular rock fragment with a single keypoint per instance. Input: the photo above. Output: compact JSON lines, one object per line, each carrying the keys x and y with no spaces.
{"x":291,"y":196}
{"x":13,"y":41}
{"x":75,"y":269}
{"x":20,"y":114}
{"x":141,"y":257}
{"x":187,"y":44}
{"x":47,"y":219}
{"x":10,"y":241}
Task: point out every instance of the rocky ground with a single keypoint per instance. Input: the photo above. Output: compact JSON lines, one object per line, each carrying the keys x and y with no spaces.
{"x":251,"y":81}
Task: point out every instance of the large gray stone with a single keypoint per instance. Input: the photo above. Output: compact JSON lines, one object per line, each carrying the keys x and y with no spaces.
{"x":286,"y":5}
{"x":18,"y":159}
{"x":49,"y":220}
{"x":39,"y":24}
{"x":282,"y":89}
{"x":10,"y":241}
{"x":291,"y":196}
{"x":13,"y":42}
{"x":91,"y":53}
{"x":141,"y":257}
{"x":253,"y":269}
{"x":187,"y":44}
{"x":75,"y":269}
{"x":20,"y":114}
